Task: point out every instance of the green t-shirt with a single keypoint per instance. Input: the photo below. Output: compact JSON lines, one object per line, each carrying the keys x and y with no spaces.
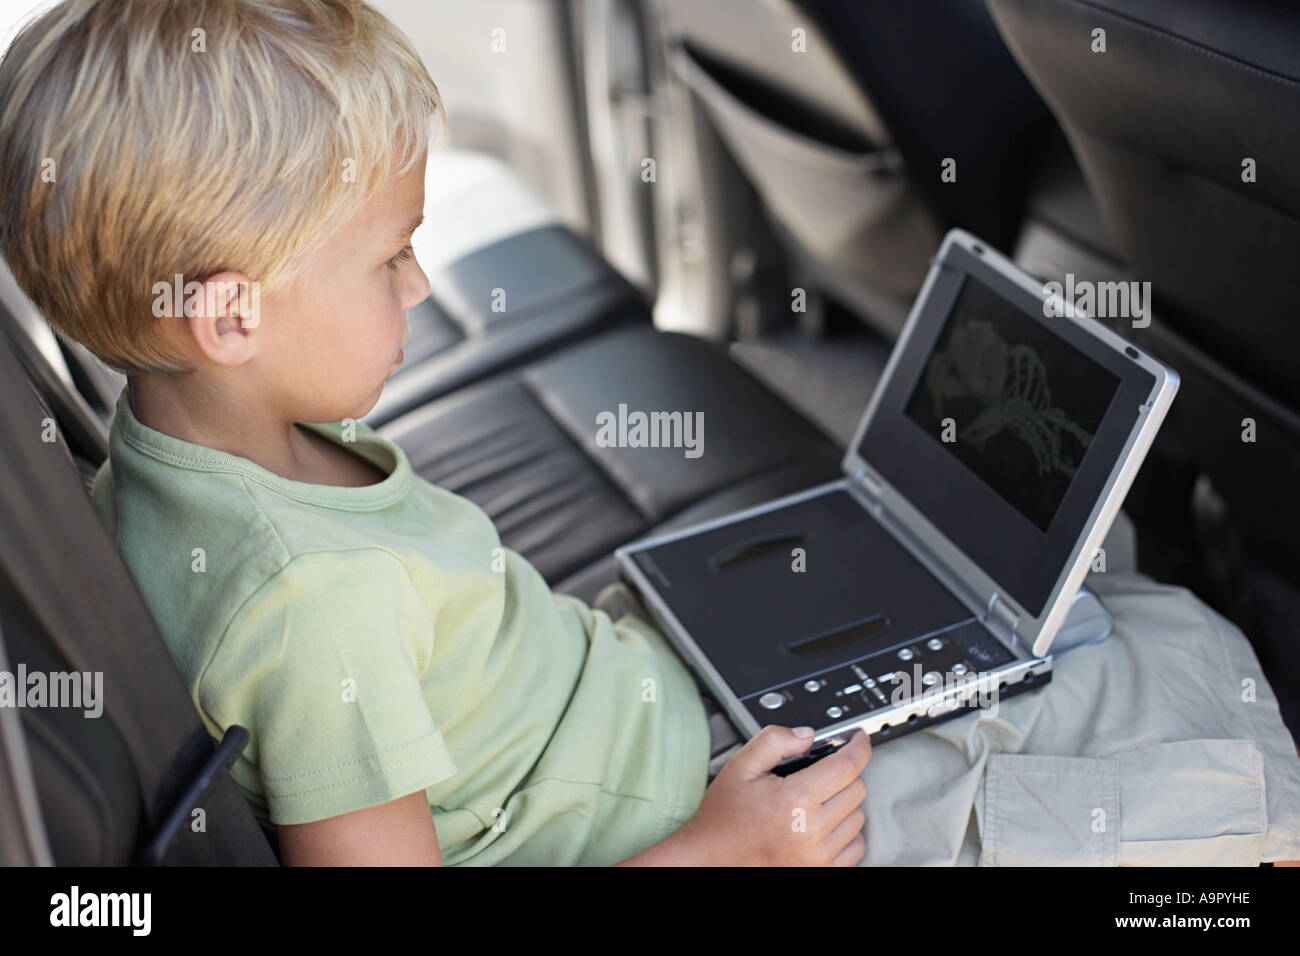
{"x":380,"y":640}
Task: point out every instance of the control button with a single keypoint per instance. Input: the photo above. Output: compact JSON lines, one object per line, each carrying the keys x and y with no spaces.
{"x":959,"y":668}
{"x":905,"y":654}
{"x":934,"y":643}
{"x":772,"y":700}
{"x":942,"y":707}
{"x":834,"y":712}
{"x":862,"y":675}
{"x":812,"y":686}
{"x":930,"y":678}
{"x":852,"y":689}
{"x":868,"y":683}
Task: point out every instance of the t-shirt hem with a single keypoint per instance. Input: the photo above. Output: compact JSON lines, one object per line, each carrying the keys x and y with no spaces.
{"x":369,"y":782}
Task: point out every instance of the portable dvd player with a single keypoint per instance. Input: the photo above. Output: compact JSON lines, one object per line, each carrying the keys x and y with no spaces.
{"x":933,"y":577}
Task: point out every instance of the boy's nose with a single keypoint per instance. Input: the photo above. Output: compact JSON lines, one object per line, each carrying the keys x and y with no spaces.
{"x":421,"y":290}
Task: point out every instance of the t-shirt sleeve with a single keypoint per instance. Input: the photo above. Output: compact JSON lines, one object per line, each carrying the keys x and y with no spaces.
{"x":322,"y":665}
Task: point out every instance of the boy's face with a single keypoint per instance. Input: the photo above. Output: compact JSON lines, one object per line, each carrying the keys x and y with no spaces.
{"x":322,"y":352}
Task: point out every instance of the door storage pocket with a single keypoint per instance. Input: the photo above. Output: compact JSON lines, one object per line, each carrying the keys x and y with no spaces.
{"x":843,"y":199}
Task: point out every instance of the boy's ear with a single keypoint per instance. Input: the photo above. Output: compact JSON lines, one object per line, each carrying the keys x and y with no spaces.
{"x":220,"y":313}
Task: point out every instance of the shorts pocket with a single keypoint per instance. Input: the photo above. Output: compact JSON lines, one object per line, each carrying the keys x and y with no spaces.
{"x":1050,"y":811}
{"x":1184,"y":803}
{"x":1192,"y":803}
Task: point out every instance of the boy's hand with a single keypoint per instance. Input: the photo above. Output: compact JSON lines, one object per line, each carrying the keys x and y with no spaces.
{"x":752,"y":817}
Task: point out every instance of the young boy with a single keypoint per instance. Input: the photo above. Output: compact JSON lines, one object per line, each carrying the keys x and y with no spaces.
{"x":414,"y":692}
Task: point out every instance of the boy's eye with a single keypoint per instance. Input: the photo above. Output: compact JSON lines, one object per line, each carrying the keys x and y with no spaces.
{"x":404,"y":255}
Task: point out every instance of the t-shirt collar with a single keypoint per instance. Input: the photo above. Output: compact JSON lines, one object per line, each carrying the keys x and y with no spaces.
{"x":385,"y":454}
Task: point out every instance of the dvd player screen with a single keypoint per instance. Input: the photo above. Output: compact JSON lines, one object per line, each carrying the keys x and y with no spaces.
{"x":1014,"y":403}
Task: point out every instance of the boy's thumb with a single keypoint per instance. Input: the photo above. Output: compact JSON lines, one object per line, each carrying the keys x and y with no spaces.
{"x":771,"y":745}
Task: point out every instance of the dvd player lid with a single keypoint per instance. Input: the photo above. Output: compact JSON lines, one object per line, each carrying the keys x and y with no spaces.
{"x":1003,"y":436}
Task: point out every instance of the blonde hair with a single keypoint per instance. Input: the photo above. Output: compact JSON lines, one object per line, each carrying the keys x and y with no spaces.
{"x":140,"y":139}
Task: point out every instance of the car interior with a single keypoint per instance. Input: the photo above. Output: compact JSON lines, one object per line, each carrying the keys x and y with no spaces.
{"x":727,"y":207}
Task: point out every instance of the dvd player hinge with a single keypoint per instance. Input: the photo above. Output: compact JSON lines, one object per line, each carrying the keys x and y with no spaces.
{"x":863,"y":480}
{"x":1001,"y":619}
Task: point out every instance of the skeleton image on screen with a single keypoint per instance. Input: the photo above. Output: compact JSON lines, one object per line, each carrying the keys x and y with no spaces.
{"x":1010,"y":385}
{"x":1011,"y":400}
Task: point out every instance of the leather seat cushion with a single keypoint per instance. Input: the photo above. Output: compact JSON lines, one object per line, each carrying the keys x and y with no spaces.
{"x":523,"y":445}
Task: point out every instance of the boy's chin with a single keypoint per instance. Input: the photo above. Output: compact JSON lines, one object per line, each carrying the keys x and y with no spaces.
{"x":364,"y":408}
{"x":366,"y":405}
{"x":338,"y":413}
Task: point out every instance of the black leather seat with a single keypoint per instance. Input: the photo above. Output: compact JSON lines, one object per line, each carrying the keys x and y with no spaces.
{"x":1166,"y":124}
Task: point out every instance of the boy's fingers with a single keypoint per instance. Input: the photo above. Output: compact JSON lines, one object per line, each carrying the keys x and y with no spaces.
{"x":832,"y":774}
{"x":769,"y":747}
{"x":846,"y":801}
{"x":846,"y":831}
{"x":852,"y":854}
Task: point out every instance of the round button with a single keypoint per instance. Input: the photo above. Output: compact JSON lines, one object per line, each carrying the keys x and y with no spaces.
{"x":934,"y":643}
{"x":812,"y":686}
{"x":771,"y":700}
{"x":905,"y":654}
{"x":833,"y":712}
{"x":930,"y":678}
{"x":959,"y":668}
